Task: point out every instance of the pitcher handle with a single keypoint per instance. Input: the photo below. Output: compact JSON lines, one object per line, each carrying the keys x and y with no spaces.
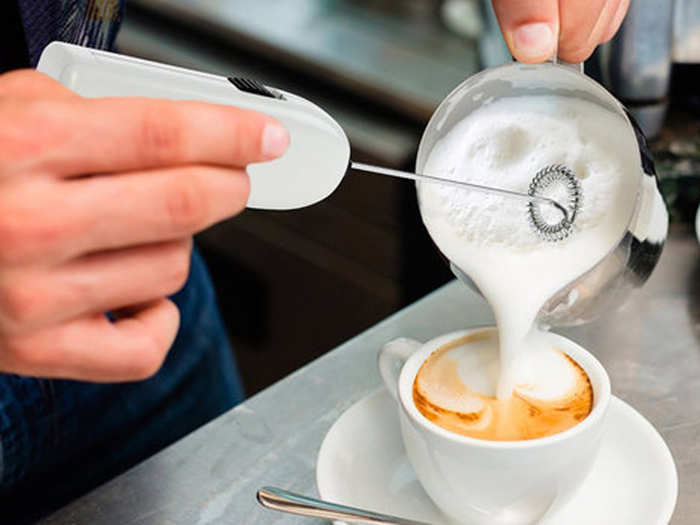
{"x":391,"y":359}
{"x":554,"y":59}
{"x":577,"y":66}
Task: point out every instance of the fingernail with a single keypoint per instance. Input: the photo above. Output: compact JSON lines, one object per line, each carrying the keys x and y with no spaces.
{"x":275,"y":140}
{"x":533,"y":41}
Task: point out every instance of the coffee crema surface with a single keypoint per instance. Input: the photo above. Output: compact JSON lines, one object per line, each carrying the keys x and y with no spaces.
{"x":456,"y":386}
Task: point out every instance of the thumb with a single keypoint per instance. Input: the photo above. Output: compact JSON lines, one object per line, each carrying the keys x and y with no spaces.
{"x":530,"y":28}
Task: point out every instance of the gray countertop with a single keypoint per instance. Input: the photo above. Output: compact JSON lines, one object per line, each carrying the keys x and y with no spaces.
{"x":650,"y":349}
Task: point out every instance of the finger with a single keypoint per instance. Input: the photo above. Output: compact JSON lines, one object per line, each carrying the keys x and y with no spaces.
{"x":92,"y":284}
{"x":95,"y":349}
{"x":616,"y":20}
{"x":529,"y":28}
{"x":61,"y":220}
{"x":123,"y":134}
{"x":155,"y":206}
{"x":577,"y":33}
{"x":603,"y":22}
{"x":29,"y":83}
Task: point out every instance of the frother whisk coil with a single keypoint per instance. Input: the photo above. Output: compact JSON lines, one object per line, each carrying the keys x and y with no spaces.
{"x":546,"y":182}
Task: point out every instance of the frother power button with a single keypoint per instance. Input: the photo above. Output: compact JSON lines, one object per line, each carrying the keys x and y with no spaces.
{"x":248,"y":85}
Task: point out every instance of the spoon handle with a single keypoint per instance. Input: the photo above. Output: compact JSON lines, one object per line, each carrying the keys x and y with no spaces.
{"x":285,"y":501}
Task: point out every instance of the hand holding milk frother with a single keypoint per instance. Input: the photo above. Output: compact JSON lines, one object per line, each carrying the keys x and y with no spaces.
{"x":319,"y":154}
{"x":292,"y":181}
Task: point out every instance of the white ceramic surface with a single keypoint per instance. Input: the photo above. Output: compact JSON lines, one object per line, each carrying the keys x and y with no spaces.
{"x":494,"y":482}
{"x":362,"y":463}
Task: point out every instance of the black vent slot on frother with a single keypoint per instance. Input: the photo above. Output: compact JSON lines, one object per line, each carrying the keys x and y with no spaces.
{"x":248,"y":85}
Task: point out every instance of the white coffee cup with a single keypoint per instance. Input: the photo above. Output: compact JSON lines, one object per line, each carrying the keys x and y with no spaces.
{"x":474,"y":481}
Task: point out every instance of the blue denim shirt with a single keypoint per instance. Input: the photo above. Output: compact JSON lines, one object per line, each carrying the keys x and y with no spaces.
{"x":59,"y":438}
{"x":91,"y":23}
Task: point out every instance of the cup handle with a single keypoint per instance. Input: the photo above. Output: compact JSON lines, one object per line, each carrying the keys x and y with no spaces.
{"x":391,"y":359}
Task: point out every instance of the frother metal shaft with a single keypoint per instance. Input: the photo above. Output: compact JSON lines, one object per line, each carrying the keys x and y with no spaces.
{"x":285,"y":501}
{"x":369,"y":168}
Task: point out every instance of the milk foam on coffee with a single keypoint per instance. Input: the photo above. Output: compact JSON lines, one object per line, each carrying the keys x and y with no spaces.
{"x":504,"y":144}
{"x":454,"y":389}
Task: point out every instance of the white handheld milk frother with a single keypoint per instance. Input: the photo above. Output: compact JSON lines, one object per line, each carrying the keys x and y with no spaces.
{"x":319,"y":152}
{"x":319,"y":156}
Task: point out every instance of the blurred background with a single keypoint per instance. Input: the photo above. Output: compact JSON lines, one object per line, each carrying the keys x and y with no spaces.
{"x":293,"y":285}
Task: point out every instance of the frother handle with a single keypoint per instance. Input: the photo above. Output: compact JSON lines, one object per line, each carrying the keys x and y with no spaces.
{"x":310,"y":170}
{"x":285,"y":501}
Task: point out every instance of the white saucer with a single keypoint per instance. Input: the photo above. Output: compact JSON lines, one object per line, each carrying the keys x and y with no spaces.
{"x":362,"y":463}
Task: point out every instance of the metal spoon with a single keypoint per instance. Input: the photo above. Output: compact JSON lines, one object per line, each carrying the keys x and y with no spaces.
{"x":285,"y":501}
